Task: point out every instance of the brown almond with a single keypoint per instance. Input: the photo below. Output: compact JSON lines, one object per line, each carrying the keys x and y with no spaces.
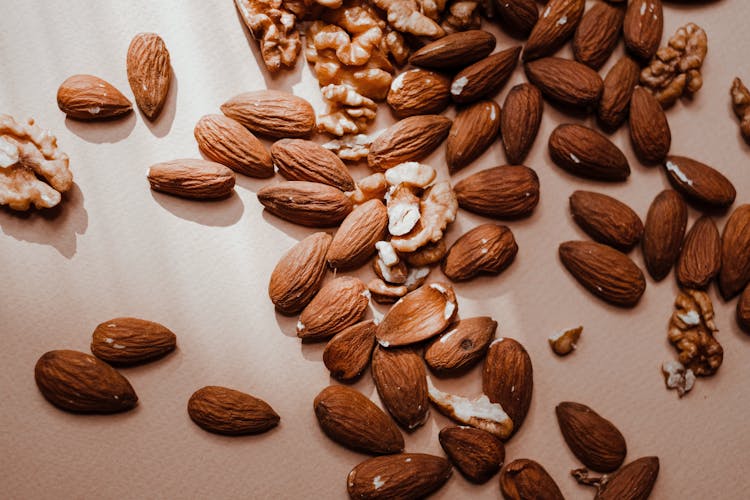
{"x":129,"y":341}
{"x":456,"y":50}
{"x":606,"y":219}
{"x":700,"y":259}
{"x":191,"y":178}
{"x":272,"y":113}
{"x":462,"y":346}
{"x":410,"y":139}
{"x":340,"y":303}
{"x":520,"y":120}
{"x":473,"y":131}
{"x":554,"y":27}
{"x":565,"y":81}
{"x":401,"y":381}
{"x":404,"y":476}
{"x":592,"y":438}
{"x":476,"y":453}
{"x":585,"y":152}
{"x":616,"y":92}
{"x":643,"y":27}
{"x":518,"y":17}
{"x":419,"y":92}
{"x":663,"y":232}
{"x":597,"y":34}
{"x":230,"y":412}
{"x":524,"y":479}
{"x":354,"y":242}
{"x":743,"y":310}
{"x":87,"y":97}
{"x":486,"y":249}
{"x":484,"y":78}
{"x":604,"y":271}
{"x":309,"y":204}
{"x":352,"y":420}
{"x":149,"y":72}
{"x":348,"y":353}
{"x":634,"y":481}
{"x":225,"y":141}
{"x":505,"y":192}
{"x":735,"y":253}
{"x":508,"y":378}
{"x":700,"y":183}
{"x":649,"y":129}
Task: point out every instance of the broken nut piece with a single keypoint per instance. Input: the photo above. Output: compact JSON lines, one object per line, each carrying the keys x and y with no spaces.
{"x":428,"y":255}
{"x":410,"y":173}
{"x":741,"y":106}
{"x":351,"y":148}
{"x":564,"y":341}
{"x":395,"y":274}
{"x":438,"y":208}
{"x":403,"y":210}
{"x":676,"y":376}
{"x":274,"y":27}
{"x":384,"y":293}
{"x":691,"y":331}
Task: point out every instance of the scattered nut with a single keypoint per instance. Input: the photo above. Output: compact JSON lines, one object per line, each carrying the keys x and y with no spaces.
{"x":564,"y":341}
{"x":691,"y":331}
{"x":273,"y":26}
{"x":741,"y":105}
{"x":384,"y":293}
{"x":351,"y":147}
{"x":676,"y":376}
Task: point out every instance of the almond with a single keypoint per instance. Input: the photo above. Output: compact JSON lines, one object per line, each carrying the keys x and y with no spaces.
{"x":649,"y":129}
{"x":419,"y":315}
{"x":484,"y":78}
{"x":520,"y":120}
{"x":632,"y":482}
{"x":149,"y":72}
{"x":128,"y":341}
{"x":518,"y":17}
{"x":404,"y":476}
{"x":605,"y":272}
{"x":508,"y":378}
{"x":505,"y":192}
{"x":486,"y":249}
{"x":348,"y":353}
{"x":735,"y":253}
{"x":592,"y":438}
{"x":743,"y":310}
{"x":340,"y":303}
{"x":309,"y":204}
{"x":87,"y":97}
{"x":299,"y":273}
{"x":606,"y":219}
{"x":556,"y":24}
{"x":476,"y":453}
{"x":700,"y":183}
{"x":455,"y":50}
{"x":401,"y":380}
{"x":410,"y":139}
{"x":230,"y":412}
{"x":190,"y":178}
{"x":587,"y":153}
{"x":473,"y":131}
{"x":354,"y":242}
{"x":700,"y":259}
{"x":643,"y":27}
{"x":616,"y":92}
{"x":565,"y":81}
{"x":272,"y":113}
{"x":352,"y":420}
{"x":663,"y":232}
{"x":462,"y":346}
{"x":225,"y":141}
{"x":597,"y":34}
{"x":80,"y":383}
{"x":419,"y":92}
{"x":526,"y":479}
{"x":303,"y":160}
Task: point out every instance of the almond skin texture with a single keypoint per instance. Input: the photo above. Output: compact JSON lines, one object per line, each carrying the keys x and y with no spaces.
{"x":149,"y":72}
{"x":419,"y":92}
{"x":604,"y":271}
{"x":225,"y":141}
{"x":462,"y":346}
{"x":700,"y":259}
{"x":597,"y":34}
{"x":233,"y":413}
{"x":643,"y":27}
{"x":456,"y":50}
{"x":663,"y":232}
{"x":87,"y":97}
{"x":606,"y":219}
{"x":587,"y":153}
{"x":348,"y":353}
{"x":554,"y":27}
{"x":302,"y":160}
{"x":649,"y":129}
{"x":735,"y":253}
{"x":484,"y":78}
{"x":520,"y":120}
{"x":474,"y":130}
{"x":518,"y":17}
{"x":487,"y":249}
{"x":743,"y":310}
{"x":524,"y":479}
{"x":565,"y":81}
{"x":410,"y":139}
{"x":700,"y":183}
{"x":80,"y":383}
{"x":477,"y":453}
{"x":506,"y":192}
{"x":190,"y":178}
{"x":407,"y":476}
{"x":129,"y":341}
{"x":340,"y":303}
{"x":401,"y":381}
{"x":354,"y":242}
{"x":633,"y":482}
{"x":272,"y":113}
{"x":310,"y":204}
{"x":508,"y":378}
{"x":352,"y":420}
{"x":616,"y":92}
{"x":593,"y":439}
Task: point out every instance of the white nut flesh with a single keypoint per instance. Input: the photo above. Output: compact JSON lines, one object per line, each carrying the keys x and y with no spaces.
{"x":410,"y":173}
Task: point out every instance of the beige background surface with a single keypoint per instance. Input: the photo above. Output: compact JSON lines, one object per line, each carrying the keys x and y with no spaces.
{"x":116,"y":248}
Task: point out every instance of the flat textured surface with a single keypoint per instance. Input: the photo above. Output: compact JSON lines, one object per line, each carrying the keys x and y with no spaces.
{"x":115,"y":248}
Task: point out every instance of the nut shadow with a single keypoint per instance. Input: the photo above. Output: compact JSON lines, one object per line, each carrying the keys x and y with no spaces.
{"x":293,"y":230}
{"x":221,"y":213}
{"x":161,"y":126}
{"x":102,"y":131}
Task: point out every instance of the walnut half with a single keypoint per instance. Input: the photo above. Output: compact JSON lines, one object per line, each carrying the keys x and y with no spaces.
{"x":691,"y":331}
{"x":741,"y":106}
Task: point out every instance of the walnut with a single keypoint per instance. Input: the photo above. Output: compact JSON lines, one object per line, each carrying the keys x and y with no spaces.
{"x":403,"y":206}
{"x":691,"y":331}
{"x":741,"y":105}
{"x":395,"y":274}
{"x":383,"y":293}
{"x":372,"y":187}
{"x":32,"y":169}
{"x":348,"y":111}
{"x":407,"y":16}
{"x":438,"y":207}
{"x":427,"y":255}
{"x":394,"y":45}
{"x":353,"y":148}
{"x":273,"y":26}
{"x":410,"y":173}
{"x":675,"y":70}
{"x":676,"y":376}
{"x":462,"y":16}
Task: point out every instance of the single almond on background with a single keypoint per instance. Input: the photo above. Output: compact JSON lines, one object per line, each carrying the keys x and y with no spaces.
{"x":456,"y":50}
{"x":617,"y":90}
{"x":743,"y":310}
{"x":480,"y":412}
{"x":403,"y":476}
{"x":700,"y":183}
{"x":486,"y":249}
{"x":401,"y":380}
{"x":735,"y":253}
{"x":473,"y":131}
{"x":192,"y":178}
{"x":565,"y":81}
{"x":597,"y":34}
{"x":149,"y":72}
{"x":230,"y":412}
{"x":519,"y":121}
{"x":634,"y":481}
{"x":225,"y":141}
{"x":505,"y":192}
{"x":606,"y":219}
{"x":555,"y":26}
{"x":524,"y":479}
{"x":476,"y":453}
{"x":419,"y":92}
{"x":340,"y":303}
{"x":508,"y":378}
{"x":643,"y":27}
{"x":649,"y":129}
{"x":592,"y":438}
{"x":354,"y":242}
{"x":663,"y":233}
{"x":129,"y":341}
{"x":585,"y":152}
{"x":80,"y":383}
{"x":700,"y":259}
{"x":348,"y":353}
{"x":310,"y":204}
{"x":461,"y":346}
{"x":564,"y":341}
{"x":484,"y":78}
{"x":303,"y":160}
{"x":518,"y":17}
{"x":272,"y":113}
{"x":410,"y":139}
{"x":87,"y":97}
